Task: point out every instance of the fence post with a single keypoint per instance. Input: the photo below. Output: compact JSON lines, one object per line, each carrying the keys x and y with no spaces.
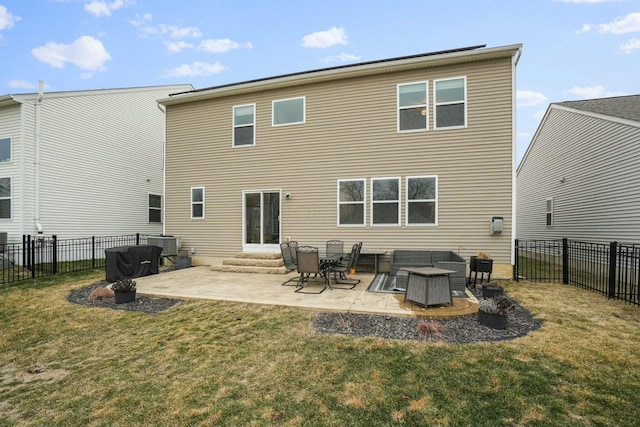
{"x":565,"y":261}
{"x":137,"y":239}
{"x":93,"y":251}
{"x":515,"y":268}
{"x":24,"y":251}
{"x":54,"y":255}
{"x":613,"y":261}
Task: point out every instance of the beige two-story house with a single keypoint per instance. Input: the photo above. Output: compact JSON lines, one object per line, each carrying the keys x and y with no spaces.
{"x":414,"y":152}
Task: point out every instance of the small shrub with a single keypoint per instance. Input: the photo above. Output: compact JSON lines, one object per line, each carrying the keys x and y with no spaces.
{"x":101,"y":293}
{"x":489,"y":305}
{"x":430,"y":329}
{"x":124,"y":285}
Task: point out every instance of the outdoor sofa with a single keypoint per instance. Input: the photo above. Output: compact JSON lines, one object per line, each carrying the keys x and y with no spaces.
{"x":447,"y":260}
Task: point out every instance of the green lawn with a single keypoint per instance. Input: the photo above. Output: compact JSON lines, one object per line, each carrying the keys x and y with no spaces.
{"x":206,"y":363}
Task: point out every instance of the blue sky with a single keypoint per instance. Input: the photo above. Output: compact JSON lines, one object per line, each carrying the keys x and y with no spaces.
{"x":573,"y":49}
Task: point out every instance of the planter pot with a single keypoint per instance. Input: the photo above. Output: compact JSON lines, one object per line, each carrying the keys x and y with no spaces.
{"x":493,"y":320}
{"x":183,"y":262}
{"x":123,"y":297}
{"x":491,"y":291}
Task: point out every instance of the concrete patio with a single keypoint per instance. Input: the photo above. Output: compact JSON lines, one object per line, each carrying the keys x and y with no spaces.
{"x":203,"y":283}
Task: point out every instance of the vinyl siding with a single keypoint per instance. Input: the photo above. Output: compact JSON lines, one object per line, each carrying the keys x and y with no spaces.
{"x":599,"y":198}
{"x":10,"y":128}
{"x":101,"y":154}
{"x":350,"y":132}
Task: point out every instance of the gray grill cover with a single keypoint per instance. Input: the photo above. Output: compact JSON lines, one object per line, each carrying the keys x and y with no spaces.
{"x":127,"y":262}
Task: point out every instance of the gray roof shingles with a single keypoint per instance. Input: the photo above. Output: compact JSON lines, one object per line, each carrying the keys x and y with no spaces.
{"x":625,"y":107}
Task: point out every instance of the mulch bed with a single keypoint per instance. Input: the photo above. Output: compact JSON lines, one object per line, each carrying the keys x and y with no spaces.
{"x":459,"y":330}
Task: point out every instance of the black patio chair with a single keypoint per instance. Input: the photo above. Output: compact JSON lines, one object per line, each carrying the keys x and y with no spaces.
{"x":340,"y":270}
{"x":289,"y":261}
{"x":334,"y":248}
{"x":308,"y":264}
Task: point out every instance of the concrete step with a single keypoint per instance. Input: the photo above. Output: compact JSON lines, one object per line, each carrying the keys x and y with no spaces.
{"x":249,"y":269}
{"x":255,"y":262}
{"x":249,"y":255}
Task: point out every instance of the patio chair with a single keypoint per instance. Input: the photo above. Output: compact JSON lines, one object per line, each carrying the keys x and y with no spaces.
{"x":289,"y":261}
{"x":340,"y":270}
{"x":334,"y":248}
{"x":308,"y":264}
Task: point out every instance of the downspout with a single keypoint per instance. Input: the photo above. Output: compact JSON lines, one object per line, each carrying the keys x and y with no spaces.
{"x":37,"y":156}
{"x":514,"y":146}
{"x":164,"y":168}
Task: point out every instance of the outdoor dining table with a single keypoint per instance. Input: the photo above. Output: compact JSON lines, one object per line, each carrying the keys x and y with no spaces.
{"x":326,"y":264}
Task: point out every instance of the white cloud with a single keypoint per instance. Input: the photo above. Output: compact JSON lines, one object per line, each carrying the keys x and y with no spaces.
{"x":86,"y":53}
{"x":22,"y":84}
{"x":630,"y":45}
{"x":592,"y":92}
{"x":194,"y":69}
{"x":343,"y":57}
{"x":222,"y":45}
{"x":103,"y":8}
{"x":622,"y":25}
{"x":323,"y":39}
{"x":141,"y":20}
{"x":585,"y":28}
{"x":7,"y":19}
{"x":529,"y":98}
{"x":176,"y":47}
{"x":171,"y":31}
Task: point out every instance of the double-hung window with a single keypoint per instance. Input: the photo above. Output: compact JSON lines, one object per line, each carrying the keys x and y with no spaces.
{"x":422,"y":198}
{"x":385,"y":201}
{"x":244,"y":125}
{"x":451,"y":102}
{"x":5,"y":149}
{"x":155,"y":208}
{"x":412,"y":107}
{"x":5,"y":198}
{"x":197,"y":203}
{"x":549,"y":211}
{"x":288,"y":111}
{"x":351,"y":200}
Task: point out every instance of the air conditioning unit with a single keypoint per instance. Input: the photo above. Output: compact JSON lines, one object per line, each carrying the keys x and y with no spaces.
{"x":169,"y":244}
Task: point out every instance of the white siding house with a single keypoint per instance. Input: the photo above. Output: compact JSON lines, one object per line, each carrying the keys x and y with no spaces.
{"x":579,"y":176}
{"x":82,"y":163}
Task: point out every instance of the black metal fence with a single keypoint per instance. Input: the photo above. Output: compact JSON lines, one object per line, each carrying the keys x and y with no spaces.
{"x":611,"y":269}
{"x":40,"y":256}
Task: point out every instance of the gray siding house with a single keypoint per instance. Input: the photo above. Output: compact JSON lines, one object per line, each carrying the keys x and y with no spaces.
{"x":579,"y":176}
{"x":82,"y":163}
{"x":414,"y":152}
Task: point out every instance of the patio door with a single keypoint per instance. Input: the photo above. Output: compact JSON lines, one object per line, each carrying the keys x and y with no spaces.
{"x":261,"y":229}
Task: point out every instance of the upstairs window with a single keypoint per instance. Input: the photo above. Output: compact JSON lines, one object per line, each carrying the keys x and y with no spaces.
{"x":288,"y":111}
{"x":155,"y":208}
{"x":5,"y":198}
{"x":451,"y":103}
{"x":197,"y":203}
{"x":5,"y":149}
{"x":412,"y":107}
{"x":351,"y":201}
{"x":422,"y":196}
{"x":244,"y":125}
{"x":385,"y":201}
{"x":549,"y":215}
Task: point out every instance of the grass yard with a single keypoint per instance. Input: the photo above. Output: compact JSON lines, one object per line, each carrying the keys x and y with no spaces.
{"x":206,"y":363}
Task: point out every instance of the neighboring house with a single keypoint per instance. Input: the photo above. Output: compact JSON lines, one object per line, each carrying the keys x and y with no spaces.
{"x":82,"y":163}
{"x":414,"y":152}
{"x":579,"y":176}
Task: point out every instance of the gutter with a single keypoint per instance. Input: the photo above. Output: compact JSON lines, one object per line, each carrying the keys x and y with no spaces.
{"x":37,"y":142}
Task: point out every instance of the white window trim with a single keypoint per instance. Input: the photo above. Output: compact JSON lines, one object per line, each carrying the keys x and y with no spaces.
{"x":363,"y":203}
{"x":10,"y":198}
{"x":425,"y":105}
{"x":548,"y":211}
{"x":406,"y":210}
{"x":304,"y":111}
{"x":436,"y":104}
{"x":10,"y":149}
{"x":398,"y":201}
{"x":197,"y":203}
{"x":233,"y":131}
{"x":149,"y":207}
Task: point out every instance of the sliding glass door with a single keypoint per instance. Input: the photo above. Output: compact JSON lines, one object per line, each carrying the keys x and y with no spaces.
{"x":261,"y":231}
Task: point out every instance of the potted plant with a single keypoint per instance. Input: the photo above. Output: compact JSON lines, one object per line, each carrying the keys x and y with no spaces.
{"x":184,"y":259}
{"x":492,"y":290}
{"x":493,"y":311}
{"x":124,"y":290}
